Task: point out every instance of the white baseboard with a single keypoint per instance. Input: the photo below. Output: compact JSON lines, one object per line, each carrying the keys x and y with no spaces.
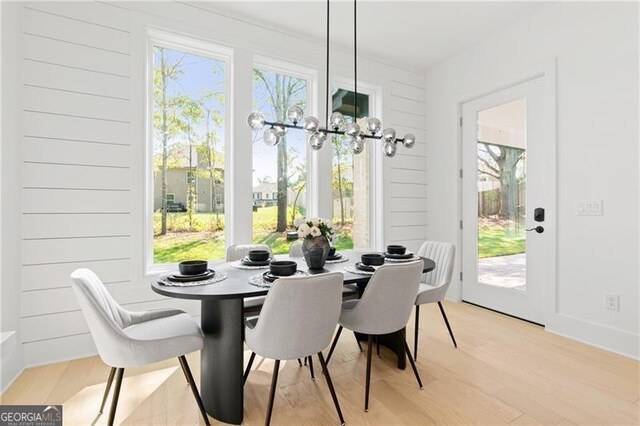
{"x":611,"y":339}
{"x":11,"y":359}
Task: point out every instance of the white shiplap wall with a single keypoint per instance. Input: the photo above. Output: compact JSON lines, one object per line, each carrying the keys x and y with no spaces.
{"x":79,"y":135}
{"x":76,"y":170}
{"x":406,"y":197}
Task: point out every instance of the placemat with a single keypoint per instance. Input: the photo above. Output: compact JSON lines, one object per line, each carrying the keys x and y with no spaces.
{"x":411,"y":259}
{"x":341,"y":260}
{"x":239,"y":265}
{"x":352,"y":268}
{"x":258,"y":279}
{"x":219,"y":276}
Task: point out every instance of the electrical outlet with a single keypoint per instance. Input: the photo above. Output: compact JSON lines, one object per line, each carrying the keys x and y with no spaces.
{"x":612,"y":302}
{"x":589,"y":208}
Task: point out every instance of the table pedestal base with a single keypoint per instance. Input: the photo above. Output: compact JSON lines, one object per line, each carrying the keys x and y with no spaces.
{"x":393,"y":341}
{"x":221,"y":362}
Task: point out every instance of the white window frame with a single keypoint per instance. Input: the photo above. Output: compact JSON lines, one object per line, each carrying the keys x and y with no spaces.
{"x":292,"y":69}
{"x":195,"y":46}
{"x":376,"y":169}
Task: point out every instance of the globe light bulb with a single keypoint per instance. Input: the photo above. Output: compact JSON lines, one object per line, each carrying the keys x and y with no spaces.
{"x":311,"y":124}
{"x":409,"y":140}
{"x":390,"y":149}
{"x":357,"y":144}
{"x":255,"y":120}
{"x":352,"y":129}
{"x":295,"y":114}
{"x":317,"y":140}
{"x":374,"y":125}
{"x":270,"y":137}
{"x":280,"y":130}
{"x":336,"y":121}
{"x":389,"y":135}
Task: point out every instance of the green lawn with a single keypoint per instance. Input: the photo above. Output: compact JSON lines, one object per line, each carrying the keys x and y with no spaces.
{"x":205,"y":242}
{"x":496,"y":240}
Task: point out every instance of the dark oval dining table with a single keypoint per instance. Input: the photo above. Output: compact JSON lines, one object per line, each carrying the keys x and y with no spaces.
{"x":222,"y":323}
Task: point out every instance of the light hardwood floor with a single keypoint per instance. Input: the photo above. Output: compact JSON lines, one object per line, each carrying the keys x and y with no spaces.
{"x":504,"y":371}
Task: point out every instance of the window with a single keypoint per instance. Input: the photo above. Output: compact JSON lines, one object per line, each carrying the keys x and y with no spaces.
{"x":188,"y":155}
{"x":350,"y":177}
{"x":280,"y":173}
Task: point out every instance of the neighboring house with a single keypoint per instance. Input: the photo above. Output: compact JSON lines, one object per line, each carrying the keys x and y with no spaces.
{"x":177,"y":190}
{"x":265,"y":194}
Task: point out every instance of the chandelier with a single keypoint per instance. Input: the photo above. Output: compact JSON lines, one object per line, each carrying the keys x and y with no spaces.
{"x":335,"y":124}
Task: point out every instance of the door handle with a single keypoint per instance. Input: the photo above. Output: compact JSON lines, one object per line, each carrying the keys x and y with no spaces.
{"x":538,"y":229}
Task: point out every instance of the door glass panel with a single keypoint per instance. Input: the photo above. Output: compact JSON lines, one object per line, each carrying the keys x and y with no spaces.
{"x":502,"y":171}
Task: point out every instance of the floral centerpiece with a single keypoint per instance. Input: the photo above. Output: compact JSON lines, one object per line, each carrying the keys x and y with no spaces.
{"x":316,"y":234}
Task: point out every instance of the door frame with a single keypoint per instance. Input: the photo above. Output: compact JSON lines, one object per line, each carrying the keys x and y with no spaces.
{"x":546,"y":71}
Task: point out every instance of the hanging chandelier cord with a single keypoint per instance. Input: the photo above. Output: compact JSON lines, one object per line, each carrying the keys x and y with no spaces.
{"x":355,"y":62}
{"x":317,"y":135}
{"x":329,"y":108}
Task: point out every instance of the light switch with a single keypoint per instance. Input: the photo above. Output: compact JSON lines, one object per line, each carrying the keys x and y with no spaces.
{"x":589,"y":208}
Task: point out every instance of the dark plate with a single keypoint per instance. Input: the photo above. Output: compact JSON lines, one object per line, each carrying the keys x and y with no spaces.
{"x":335,"y":257}
{"x":189,"y":278}
{"x":269,"y":277}
{"x":399,"y":256}
{"x":363,"y":267}
{"x":248,"y":262}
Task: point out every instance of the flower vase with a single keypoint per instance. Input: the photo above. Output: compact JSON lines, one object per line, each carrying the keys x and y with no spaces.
{"x":315,"y":251}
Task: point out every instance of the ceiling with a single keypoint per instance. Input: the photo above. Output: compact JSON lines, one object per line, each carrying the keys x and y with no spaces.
{"x":413,"y":34}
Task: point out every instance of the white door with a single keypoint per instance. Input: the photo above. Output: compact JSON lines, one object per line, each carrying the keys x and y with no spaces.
{"x":508,"y":178}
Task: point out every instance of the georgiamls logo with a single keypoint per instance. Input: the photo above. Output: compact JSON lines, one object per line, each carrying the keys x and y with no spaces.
{"x":30,"y":415}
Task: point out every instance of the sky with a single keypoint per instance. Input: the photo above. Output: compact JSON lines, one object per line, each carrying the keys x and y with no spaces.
{"x":265,"y":157}
{"x":201,"y":75}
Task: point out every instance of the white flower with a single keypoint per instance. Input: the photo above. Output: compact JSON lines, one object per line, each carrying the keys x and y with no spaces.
{"x":315,"y":231}
{"x":304,"y":230}
{"x":298,"y":221}
{"x":314,"y":221}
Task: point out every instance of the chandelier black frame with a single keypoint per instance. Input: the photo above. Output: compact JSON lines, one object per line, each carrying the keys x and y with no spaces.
{"x":335,"y":123}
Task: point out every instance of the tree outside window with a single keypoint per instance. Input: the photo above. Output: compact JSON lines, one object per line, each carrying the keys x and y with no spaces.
{"x":188,"y":156}
{"x":279,"y":173}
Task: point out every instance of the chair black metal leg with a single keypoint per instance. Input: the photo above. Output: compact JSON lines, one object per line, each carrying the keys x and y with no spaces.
{"x":299,"y":362}
{"x":368,"y":376}
{"x":313,"y":377}
{"x":106,"y":391}
{"x":377,"y":347}
{"x":333,"y":345}
{"x":248,"y":369}
{"x":116,"y":395}
{"x":446,"y":321}
{"x":187,"y":374}
{"x":330,"y":385}
{"x":357,"y":341}
{"x":413,"y":364}
{"x":272,"y":393}
{"x":416,"y":329}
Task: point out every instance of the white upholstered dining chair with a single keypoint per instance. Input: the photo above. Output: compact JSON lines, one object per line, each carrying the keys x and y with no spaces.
{"x":297,"y":321}
{"x":132,"y":339}
{"x":239,"y":251}
{"x":434,"y":284}
{"x":384,"y":308}
{"x":295,"y":250}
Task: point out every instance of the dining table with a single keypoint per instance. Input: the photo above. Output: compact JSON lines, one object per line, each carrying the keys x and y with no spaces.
{"x":222,"y":323}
